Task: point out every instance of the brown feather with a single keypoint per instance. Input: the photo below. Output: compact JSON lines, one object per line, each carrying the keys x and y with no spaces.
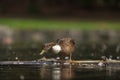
{"x":67,"y":45}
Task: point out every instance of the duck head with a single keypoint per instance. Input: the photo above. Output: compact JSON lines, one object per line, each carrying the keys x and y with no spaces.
{"x":46,"y":47}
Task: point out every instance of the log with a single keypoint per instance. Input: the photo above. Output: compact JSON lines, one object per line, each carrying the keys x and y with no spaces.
{"x":51,"y":62}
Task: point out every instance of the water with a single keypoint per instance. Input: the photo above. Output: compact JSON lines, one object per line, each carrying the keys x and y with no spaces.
{"x":69,"y":72}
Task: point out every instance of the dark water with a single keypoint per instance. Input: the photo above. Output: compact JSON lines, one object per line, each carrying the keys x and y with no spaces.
{"x":44,"y":72}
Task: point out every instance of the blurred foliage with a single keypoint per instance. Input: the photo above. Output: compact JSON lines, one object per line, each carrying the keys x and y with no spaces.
{"x":33,"y":8}
{"x":55,"y":7}
{"x":59,"y":24}
{"x":87,"y":12}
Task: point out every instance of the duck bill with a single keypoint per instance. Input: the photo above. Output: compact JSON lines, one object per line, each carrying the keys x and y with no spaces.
{"x":42,"y":52}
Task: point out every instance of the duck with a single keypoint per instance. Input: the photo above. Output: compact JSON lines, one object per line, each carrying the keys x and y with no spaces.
{"x":63,"y":47}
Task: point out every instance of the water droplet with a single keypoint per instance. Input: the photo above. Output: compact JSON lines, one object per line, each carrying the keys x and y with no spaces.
{"x":22,"y":77}
{"x":16,"y":58}
{"x":66,"y":58}
{"x":117,"y":57}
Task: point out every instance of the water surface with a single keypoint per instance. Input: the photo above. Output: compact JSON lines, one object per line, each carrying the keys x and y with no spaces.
{"x":69,"y":72}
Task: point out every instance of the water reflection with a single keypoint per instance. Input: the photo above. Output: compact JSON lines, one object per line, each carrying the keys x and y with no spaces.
{"x":69,"y":72}
{"x":22,"y":77}
{"x":56,"y":72}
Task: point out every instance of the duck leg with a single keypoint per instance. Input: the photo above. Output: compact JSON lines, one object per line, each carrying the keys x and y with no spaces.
{"x":70,"y":56}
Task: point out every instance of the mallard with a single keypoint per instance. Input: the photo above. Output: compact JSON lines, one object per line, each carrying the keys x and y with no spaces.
{"x":63,"y":47}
